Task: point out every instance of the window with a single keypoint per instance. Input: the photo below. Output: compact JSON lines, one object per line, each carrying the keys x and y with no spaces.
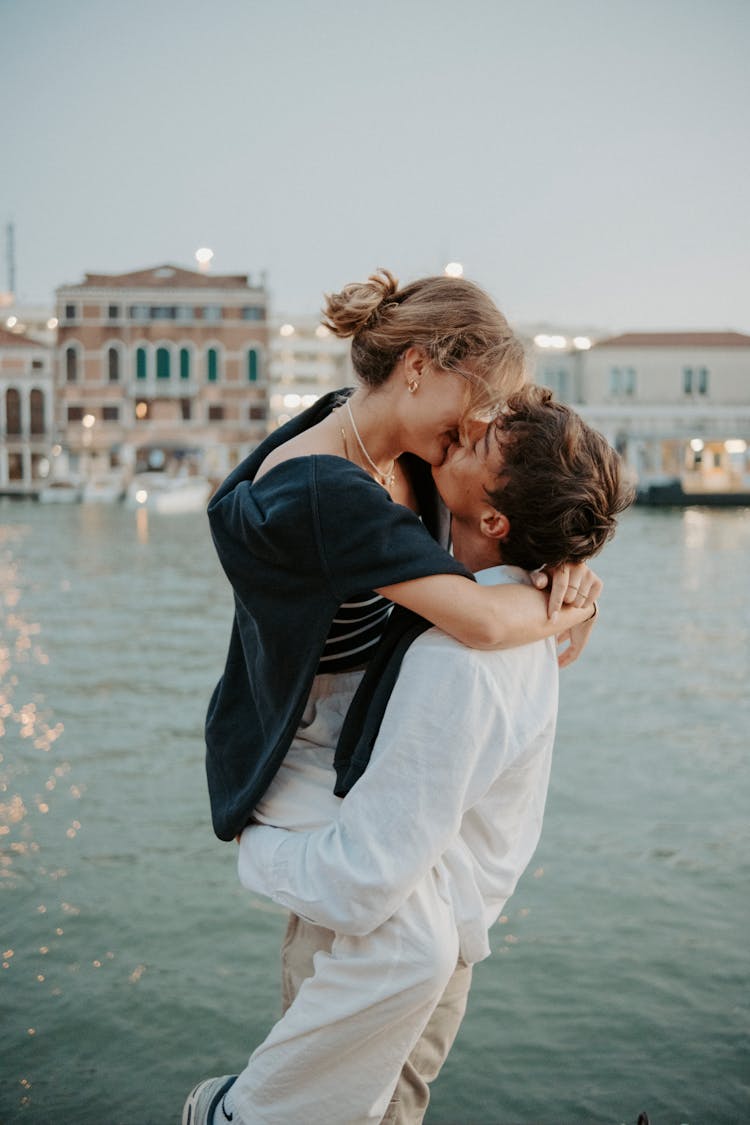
{"x":185,"y":312}
{"x":113,"y":365}
{"x":253,"y":312}
{"x":687,"y":380}
{"x":36,"y":402}
{"x":138,"y":312}
{"x":12,"y":412}
{"x":162,"y":363}
{"x":113,"y":312}
{"x":703,"y":381}
{"x":252,"y":365}
{"x":37,"y":364}
{"x":257,"y":413}
{"x":186,"y":409}
{"x":629,"y":380}
{"x":215,"y":413}
{"x":212,"y":365}
{"x":140,"y":363}
{"x":212,"y":312}
{"x":110,"y":414}
{"x":75,"y":413}
{"x":71,"y":365}
{"x":615,"y":386}
{"x":15,"y":466}
{"x":71,"y":311}
{"x":184,"y":363}
{"x":163,"y":312}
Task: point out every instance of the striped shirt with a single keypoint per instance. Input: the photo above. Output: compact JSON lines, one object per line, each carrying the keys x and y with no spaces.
{"x":355,"y":632}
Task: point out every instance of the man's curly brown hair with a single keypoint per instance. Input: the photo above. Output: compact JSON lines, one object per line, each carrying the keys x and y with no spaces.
{"x":561,"y":485}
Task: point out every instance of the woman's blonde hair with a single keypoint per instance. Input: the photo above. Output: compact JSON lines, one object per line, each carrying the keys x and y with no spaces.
{"x":456,"y":323}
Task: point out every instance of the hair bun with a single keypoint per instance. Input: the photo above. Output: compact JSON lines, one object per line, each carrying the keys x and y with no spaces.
{"x":354,"y":308}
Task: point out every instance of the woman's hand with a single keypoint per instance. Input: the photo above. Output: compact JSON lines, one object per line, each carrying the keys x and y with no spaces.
{"x":577,"y":638}
{"x":570,"y":584}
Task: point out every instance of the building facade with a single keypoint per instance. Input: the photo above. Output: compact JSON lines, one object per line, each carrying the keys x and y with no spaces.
{"x":306,"y":361}
{"x":26,"y":413}
{"x":676,"y":405}
{"x":161,"y":364}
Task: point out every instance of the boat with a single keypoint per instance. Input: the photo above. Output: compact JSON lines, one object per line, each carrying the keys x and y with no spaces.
{"x":60,"y":492}
{"x":160,"y":492}
{"x":103,"y":490}
{"x":675,"y":492}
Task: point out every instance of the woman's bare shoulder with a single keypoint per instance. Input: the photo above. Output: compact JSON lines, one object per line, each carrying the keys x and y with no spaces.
{"x":325,"y":437}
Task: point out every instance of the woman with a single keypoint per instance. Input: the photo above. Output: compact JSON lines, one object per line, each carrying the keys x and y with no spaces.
{"x":312,"y":541}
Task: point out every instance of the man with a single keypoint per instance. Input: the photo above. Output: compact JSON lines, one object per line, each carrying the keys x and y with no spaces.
{"x":392,"y":901}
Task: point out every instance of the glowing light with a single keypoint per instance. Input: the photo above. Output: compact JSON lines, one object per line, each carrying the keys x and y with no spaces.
{"x":292,"y":401}
{"x":545,"y":341}
{"x":286,"y":330}
{"x":735,"y":445}
{"x":203,"y":257}
{"x":52,"y":322}
{"x":88,"y":421}
{"x":56,"y":450}
{"x":141,"y":409}
{"x":141,"y":496}
{"x":321,"y":331}
{"x":583,"y":343}
{"x":12,"y":321}
{"x":454,"y":269}
{"x":696,"y":445}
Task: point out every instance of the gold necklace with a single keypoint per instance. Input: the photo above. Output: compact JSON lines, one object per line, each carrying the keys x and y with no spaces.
{"x":387,"y":478}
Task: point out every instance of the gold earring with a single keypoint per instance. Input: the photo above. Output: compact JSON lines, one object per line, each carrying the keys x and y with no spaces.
{"x":413,"y":385}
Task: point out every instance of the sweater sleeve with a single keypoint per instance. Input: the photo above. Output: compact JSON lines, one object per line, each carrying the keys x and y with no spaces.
{"x":365,"y":539}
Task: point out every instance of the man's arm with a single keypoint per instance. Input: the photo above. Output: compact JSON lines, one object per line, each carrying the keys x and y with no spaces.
{"x":443,"y":739}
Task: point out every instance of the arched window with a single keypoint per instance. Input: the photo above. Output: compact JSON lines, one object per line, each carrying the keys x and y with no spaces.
{"x":36,"y":401}
{"x":162,"y":363}
{"x":113,"y":365}
{"x":141,"y":367}
{"x":184,"y":363}
{"x":71,"y":365}
{"x":253,"y":365}
{"x":12,"y":412}
{"x":212,"y":365}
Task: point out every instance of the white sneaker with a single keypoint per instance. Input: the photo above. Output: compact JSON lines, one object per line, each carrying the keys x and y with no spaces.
{"x":205,"y":1099}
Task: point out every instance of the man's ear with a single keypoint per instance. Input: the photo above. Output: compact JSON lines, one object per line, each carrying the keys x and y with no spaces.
{"x":495,"y":525}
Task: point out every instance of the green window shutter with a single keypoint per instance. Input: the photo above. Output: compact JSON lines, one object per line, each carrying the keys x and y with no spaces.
{"x":162,"y":363}
{"x":184,"y":363}
{"x":212,"y":371}
{"x":140,"y":363}
{"x":252,"y":365}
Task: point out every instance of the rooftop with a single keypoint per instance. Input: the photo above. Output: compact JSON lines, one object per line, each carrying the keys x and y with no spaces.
{"x":162,"y":277}
{"x":677,"y":340}
{"x":17,"y":340}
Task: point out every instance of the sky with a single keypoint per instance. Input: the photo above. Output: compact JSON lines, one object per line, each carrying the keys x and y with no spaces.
{"x":586,"y":160}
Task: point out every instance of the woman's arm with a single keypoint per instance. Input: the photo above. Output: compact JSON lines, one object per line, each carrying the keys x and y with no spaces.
{"x":486,"y":617}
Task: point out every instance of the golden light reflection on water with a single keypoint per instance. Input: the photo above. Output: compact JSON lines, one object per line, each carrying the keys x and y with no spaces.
{"x":37,"y":826}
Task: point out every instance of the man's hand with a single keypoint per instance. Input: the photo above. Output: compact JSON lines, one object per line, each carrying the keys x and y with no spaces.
{"x":571,"y":584}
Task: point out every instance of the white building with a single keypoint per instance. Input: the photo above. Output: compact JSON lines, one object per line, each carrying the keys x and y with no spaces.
{"x":675,"y":404}
{"x":306,"y":361}
{"x":26,"y":413}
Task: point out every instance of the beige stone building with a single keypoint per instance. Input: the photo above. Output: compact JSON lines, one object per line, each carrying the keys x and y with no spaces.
{"x":166,"y":363}
{"x":675,"y":404}
{"x":26,"y":413}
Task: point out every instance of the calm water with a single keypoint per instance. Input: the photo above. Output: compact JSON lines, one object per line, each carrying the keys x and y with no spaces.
{"x":133,"y":965}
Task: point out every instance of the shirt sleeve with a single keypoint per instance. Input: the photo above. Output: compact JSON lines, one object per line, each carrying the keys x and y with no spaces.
{"x":433,"y":759}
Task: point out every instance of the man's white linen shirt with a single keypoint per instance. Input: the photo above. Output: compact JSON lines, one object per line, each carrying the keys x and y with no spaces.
{"x":456,"y":787}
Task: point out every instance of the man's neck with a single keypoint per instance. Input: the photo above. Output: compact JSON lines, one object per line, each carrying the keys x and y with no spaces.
{"x":473,"y":549}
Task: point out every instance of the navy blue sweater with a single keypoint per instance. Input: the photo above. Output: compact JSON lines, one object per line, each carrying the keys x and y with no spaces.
{"x":312,"y":533}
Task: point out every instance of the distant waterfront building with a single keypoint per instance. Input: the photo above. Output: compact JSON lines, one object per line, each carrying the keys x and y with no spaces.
{"x":675,"y":404}
{"x":26,"y":412}
{"x":161,"y":363}
{"x":306,"y":361}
